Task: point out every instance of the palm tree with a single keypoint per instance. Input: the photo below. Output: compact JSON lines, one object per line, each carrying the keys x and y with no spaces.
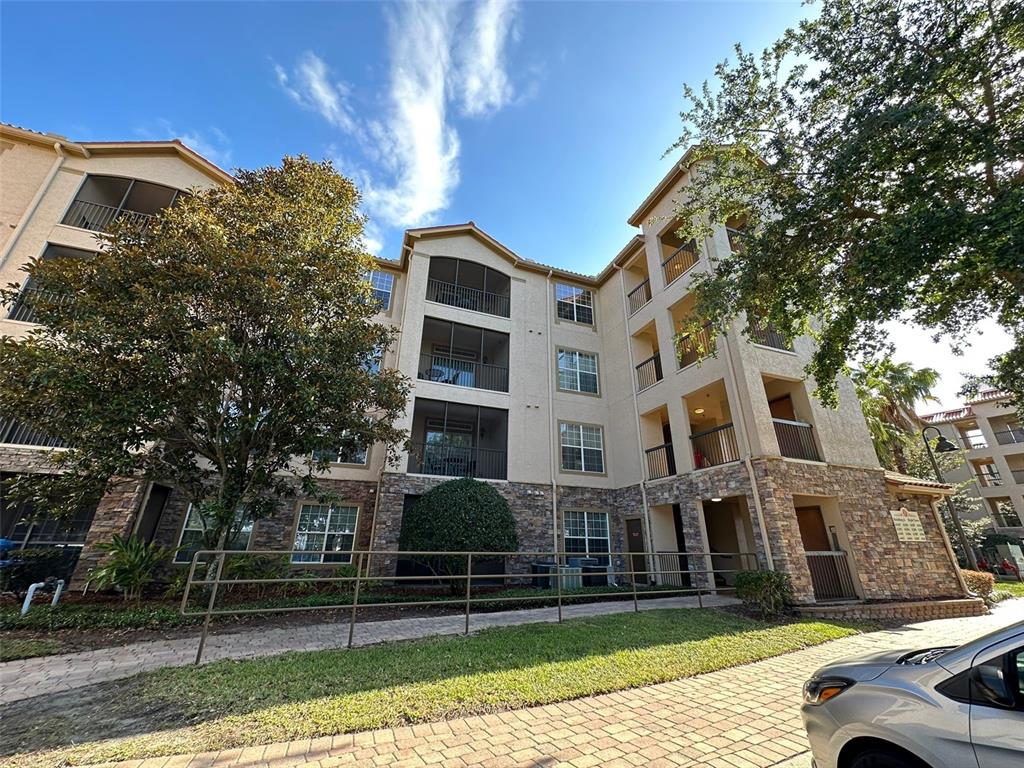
{"x":888,"y":394}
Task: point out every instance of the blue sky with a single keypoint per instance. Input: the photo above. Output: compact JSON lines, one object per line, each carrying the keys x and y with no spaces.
{"x":545,"y":123}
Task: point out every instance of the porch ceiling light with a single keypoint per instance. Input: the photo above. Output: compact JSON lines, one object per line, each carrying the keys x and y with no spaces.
{"x":717,"y":498}
{"x":698,"y":411}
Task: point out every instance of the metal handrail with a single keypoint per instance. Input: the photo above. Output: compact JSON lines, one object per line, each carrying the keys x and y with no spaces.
{"x":1018,"y":476}
{"x":648,"y":372}
{"x":796,"y":440}
{"x":714,"y":446}
{"x":682,"y":260}
{"x":447,"y":460}
{"x":23,"y":309}
{"x":97,"y":217}
{"x":464,"y":297}
{"x":661,"y":461}
{"x":1010,"y":436}
{"x":215,"y":560}
{"x":639,"y":296}
{"x":973,"y":442}
{"x":766,"y":335}
{"x":686,"y":349}
{"x":445,"y":369}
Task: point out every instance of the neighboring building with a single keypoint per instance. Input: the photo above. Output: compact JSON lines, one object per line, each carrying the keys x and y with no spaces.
{"x":568,"y":393}
{"x":989,"y":432}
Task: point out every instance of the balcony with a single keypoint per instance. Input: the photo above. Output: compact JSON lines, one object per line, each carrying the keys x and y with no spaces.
{"x":458,"y":440}
{"x":974,"y":441}
{"x":989,"y":478}
{"x":23,"y":308}
{"x":648,"y":373}
{"x":103,"y":200}
{"x":661,"y":462}
{"x":796,"y":440}
{"x":687,"y":348}
{"x":679,"y":262}
{"x":462,"y":355}
{"x":1010,"y":436}
{"x":1018,"y":476}
{"x":14,"y":432}
{"x":468,"y":285}
{"x":639,"y":297}
{"x":764,"y":333}
{"x":714,"y":446}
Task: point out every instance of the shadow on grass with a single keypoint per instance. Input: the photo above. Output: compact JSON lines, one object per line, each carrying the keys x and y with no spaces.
{"x":452,"y":676}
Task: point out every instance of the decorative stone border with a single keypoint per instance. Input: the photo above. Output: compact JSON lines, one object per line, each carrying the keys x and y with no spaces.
{"x":920,"y":610}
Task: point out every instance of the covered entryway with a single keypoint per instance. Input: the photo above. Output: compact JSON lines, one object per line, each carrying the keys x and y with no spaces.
{"x":831,"y":575}
{"x":730,"y":537}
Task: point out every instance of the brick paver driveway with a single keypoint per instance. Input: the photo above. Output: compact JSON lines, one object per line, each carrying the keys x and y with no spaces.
{"x":744,"y":717}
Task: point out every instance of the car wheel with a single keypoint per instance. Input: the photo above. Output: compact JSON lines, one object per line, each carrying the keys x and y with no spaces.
{"x":879,"y":757}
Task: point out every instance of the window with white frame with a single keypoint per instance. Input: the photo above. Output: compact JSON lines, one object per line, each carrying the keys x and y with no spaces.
{"x":326,"y":533}
{"x":586,"y":533}
{"x":192,"y":532}
{"x":577,"y":371}
{"x":349,"y":451}
{"x":383,"y":284}
{"x":582,"y":447}
{"x":576,"y":304}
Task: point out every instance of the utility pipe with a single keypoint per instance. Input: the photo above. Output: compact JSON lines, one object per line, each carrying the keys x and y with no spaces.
{"x":552,"y":425}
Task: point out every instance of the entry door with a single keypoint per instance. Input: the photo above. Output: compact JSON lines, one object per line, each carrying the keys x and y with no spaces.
{"x":812,"y":529}
{"x":635,"y":546}
{"x":830,"y":573}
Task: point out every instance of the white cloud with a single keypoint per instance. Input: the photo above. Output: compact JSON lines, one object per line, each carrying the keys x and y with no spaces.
{"x":311,"y":87}
{"x":442,"y":56}
{"x":211,"y":143}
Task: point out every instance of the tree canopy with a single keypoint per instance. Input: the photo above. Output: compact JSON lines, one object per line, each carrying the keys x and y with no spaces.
{"x":219,"y":349}
{"x":874,"y":157}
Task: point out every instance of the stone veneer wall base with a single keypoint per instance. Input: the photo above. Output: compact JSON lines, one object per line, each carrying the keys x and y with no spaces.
{"x":918,"y":610}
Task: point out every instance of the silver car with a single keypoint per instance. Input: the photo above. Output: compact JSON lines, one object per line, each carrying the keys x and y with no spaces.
{"x":952,"y":707}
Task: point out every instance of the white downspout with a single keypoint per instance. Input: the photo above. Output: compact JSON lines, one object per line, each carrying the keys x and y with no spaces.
{"x":58,"y":147}
{"x":552,"y":423}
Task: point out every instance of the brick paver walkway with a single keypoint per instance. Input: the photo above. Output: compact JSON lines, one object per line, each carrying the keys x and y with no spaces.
{"x":26,"y":678}
{"x":744,"y":717}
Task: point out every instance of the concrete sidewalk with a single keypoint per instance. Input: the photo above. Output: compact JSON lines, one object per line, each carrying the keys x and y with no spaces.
{"x":744,"y":717}
{"x":26,"y":678}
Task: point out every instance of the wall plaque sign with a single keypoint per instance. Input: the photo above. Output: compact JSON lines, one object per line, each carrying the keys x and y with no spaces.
{"x":908,"y":525}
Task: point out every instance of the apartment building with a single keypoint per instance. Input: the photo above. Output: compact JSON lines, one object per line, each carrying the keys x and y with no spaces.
{"x":990,"y":435}
{"x":566,"y":391}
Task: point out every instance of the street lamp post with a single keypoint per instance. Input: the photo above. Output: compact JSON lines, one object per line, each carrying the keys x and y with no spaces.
{"x":943,"y":445}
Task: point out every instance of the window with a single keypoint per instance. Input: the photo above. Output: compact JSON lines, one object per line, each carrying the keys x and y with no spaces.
{"x":383,"y":284}
{"x":582,"y":447}
{"x":576,"y":304}
{"x":995,"y":683}
{"x":577,"y":371}
{"x":327,"y":533}
{"x":586,"y":533}
{"x":373,"y":361}
{"x":350,"y":452}
{"x":192,"y":534}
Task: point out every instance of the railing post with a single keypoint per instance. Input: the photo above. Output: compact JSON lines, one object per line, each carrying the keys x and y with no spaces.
{"x":209,"y":606}
{"x":558,"y":583}
{"x":355,"y":598}
{"x":469,"y":584}
{"x":632,"y":578}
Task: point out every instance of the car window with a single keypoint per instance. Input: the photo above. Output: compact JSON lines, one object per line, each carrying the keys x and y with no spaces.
{"x":998,"y":682}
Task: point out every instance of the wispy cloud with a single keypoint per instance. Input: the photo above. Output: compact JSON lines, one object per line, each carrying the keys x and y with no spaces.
{"x":211,"y":143}
{"x":443,"y":58}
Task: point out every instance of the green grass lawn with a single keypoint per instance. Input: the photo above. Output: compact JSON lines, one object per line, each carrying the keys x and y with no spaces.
{"x":16,"y":648}
{"x":1015,"y":588}
{"x":299,"y":695}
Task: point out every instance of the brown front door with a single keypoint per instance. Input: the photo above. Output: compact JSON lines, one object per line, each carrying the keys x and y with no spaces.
{"x":635,"y":545}
{"x":812,"y":529}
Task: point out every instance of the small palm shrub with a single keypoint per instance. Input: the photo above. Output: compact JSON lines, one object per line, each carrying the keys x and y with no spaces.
{"x":767,"y":591}
{"x":130,"y":565}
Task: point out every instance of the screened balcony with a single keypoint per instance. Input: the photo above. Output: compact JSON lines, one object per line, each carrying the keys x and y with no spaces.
{"x":102,"y":200}
{"x":451,"y":353}
{"x":468,"y":285}
{"x":457,"y":440}
{"x":23,"y":308}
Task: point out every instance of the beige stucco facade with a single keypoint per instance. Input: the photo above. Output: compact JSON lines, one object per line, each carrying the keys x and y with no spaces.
{"x":725,"y":455}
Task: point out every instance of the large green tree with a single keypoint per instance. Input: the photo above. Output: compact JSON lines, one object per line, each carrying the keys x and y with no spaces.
{"x":888,"y":394}
{"x":876,"y":156}
{"x":220,"y":350}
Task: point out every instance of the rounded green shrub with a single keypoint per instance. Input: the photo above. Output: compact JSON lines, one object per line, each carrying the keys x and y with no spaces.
{"x":768,"y":591}
{"x":464,"y":515}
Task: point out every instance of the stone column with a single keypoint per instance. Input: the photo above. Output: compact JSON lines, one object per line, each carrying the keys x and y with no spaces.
{"x":115,"y":514}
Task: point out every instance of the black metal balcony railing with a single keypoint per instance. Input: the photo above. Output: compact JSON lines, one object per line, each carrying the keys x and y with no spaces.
{"x":648,"y":373}
{"x":661,"y":462}
{"x":681,"y":261}
{"x":714,"y":446}
{"x":98,"y":218}
{"x":796,"y":439}
{"x":1010,"y":436}
{"x":467,"y":298}
{"x":1007,"y":517}
{"x":989,"y":479}
{"x":23,"y":308}
{"x":14,"y":432}
{"x":735,"y":239}
{"x":1018,"y":476}
{"x":458,"y":461}
{"x":639,"y":296}
{"x":830,"y":576}
{"x":972,"y":442}
{"x":687,"y":346}
{"x":463,"y":373}
{"x":766,"y":335}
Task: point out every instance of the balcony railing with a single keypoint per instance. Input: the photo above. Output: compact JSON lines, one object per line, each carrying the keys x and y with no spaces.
{"x":830,"y":576}
{"x":639,"y":296}
{"x":989,"y":479}
{"x":971,"y":442}
{"x":1007,"y":518}
{"x":458,"y":461}
{"x":686,"y":347}
{"x":648,"y":373}
{"x":681,"y":261}
{"x":796,"y":439}
{"x":766,"y":335}
{"x":98,"y":218}
{"x":14,"y":432}
{"x":661,"y":462}
{"x":23,"y":308}
{"x":467,"y":298}
{"x":1018,"y":476}
{"x":714,"y":446}
{"x":463,"y":373}
{"x":1010,"y":436}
